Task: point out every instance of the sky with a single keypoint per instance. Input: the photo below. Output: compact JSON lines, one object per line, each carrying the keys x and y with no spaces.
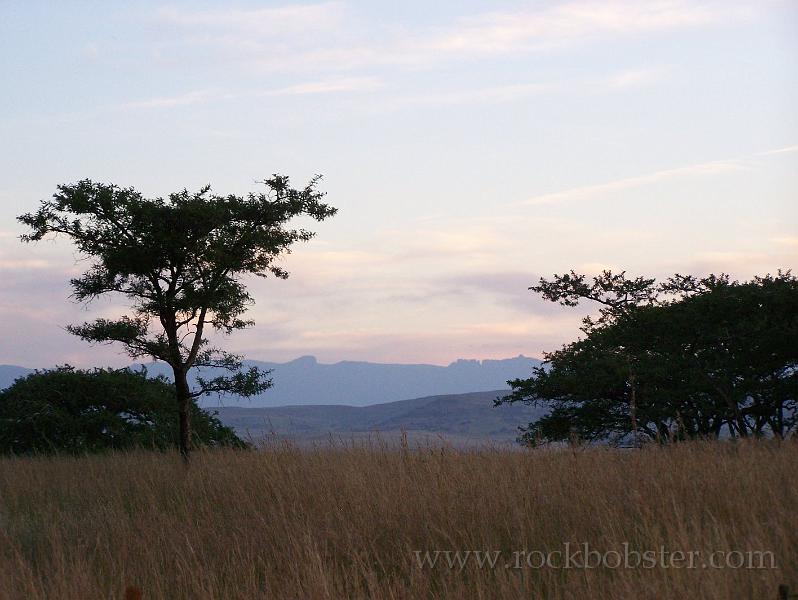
{"x":470,"y":147}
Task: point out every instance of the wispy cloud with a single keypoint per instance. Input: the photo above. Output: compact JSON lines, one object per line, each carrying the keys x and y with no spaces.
{"x":573,"y":23}
{"x":23,"y":263}
{"x":326,"y":86}
{"x":635,"y":78}
{"x":351,"y":84}
{"x":194,"y":97}
{"x":277,"y":38}
{"x":493,"y":94}
{"x":281,"y":21}
{"x":785,"y":150}
{"x":589,"y":191}
{"x":737,"y":259}
{"x":490,"y":94}
{"x":715,"y":167}
{"x":519,"y":91}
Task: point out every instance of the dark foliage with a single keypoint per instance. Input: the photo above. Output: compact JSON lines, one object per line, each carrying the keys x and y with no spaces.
{"x":75,"y":411}
{"x":688,"y":358}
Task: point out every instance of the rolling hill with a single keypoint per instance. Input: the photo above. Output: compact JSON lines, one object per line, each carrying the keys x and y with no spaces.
{"x":460,"y":419}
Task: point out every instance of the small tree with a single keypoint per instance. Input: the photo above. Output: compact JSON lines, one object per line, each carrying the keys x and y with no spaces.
{"x":180,"y":263}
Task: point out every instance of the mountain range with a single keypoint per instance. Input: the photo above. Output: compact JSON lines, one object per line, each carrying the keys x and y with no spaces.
{"x":305,"y":381}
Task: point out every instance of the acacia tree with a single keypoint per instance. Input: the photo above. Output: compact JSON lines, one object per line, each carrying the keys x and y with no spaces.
{"x":707,"y":355}
{"x":617,"y":295}
{"x":180,"y":262}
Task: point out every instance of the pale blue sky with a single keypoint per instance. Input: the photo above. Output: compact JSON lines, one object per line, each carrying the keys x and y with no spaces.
{"x":470,"y":146}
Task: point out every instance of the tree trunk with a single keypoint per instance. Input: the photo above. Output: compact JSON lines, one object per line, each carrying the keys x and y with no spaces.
{"x":183,"y":406}
{"x":633,"y":403}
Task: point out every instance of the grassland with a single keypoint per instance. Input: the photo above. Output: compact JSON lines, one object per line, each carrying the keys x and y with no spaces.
{"x":346,"y":522}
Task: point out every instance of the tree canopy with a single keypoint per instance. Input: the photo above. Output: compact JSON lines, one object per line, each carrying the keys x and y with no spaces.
{"x":689,"y":357}
{"x":181,"y":263}
{"x":78,"y":411}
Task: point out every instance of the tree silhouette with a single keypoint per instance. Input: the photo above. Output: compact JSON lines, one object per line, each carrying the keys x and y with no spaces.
{"x":686,"y":358}
{"x":617,"y":295}
{"x":82,"y":411}
{"x":180,"y":262}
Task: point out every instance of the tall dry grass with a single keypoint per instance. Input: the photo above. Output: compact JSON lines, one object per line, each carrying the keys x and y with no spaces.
{"x":344,"y":522}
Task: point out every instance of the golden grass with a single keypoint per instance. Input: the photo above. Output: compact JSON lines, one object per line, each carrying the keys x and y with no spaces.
{"x":344,"y":522}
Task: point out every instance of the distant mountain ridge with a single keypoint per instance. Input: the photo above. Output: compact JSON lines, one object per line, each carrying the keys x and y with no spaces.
{"x":306,"y":381}
{"x":459,"y":419}
{"x":10,"y":373}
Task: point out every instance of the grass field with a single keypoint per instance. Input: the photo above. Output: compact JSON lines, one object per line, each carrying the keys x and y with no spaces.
{"x":354,"y":522}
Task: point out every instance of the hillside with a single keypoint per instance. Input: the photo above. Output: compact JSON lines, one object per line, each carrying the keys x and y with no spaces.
{"x":459,"y":418}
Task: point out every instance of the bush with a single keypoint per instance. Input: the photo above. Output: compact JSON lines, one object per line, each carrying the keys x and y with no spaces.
{"x":77,"y":411}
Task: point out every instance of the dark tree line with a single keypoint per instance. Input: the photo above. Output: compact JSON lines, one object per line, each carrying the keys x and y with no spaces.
{"x":686,"y":358}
